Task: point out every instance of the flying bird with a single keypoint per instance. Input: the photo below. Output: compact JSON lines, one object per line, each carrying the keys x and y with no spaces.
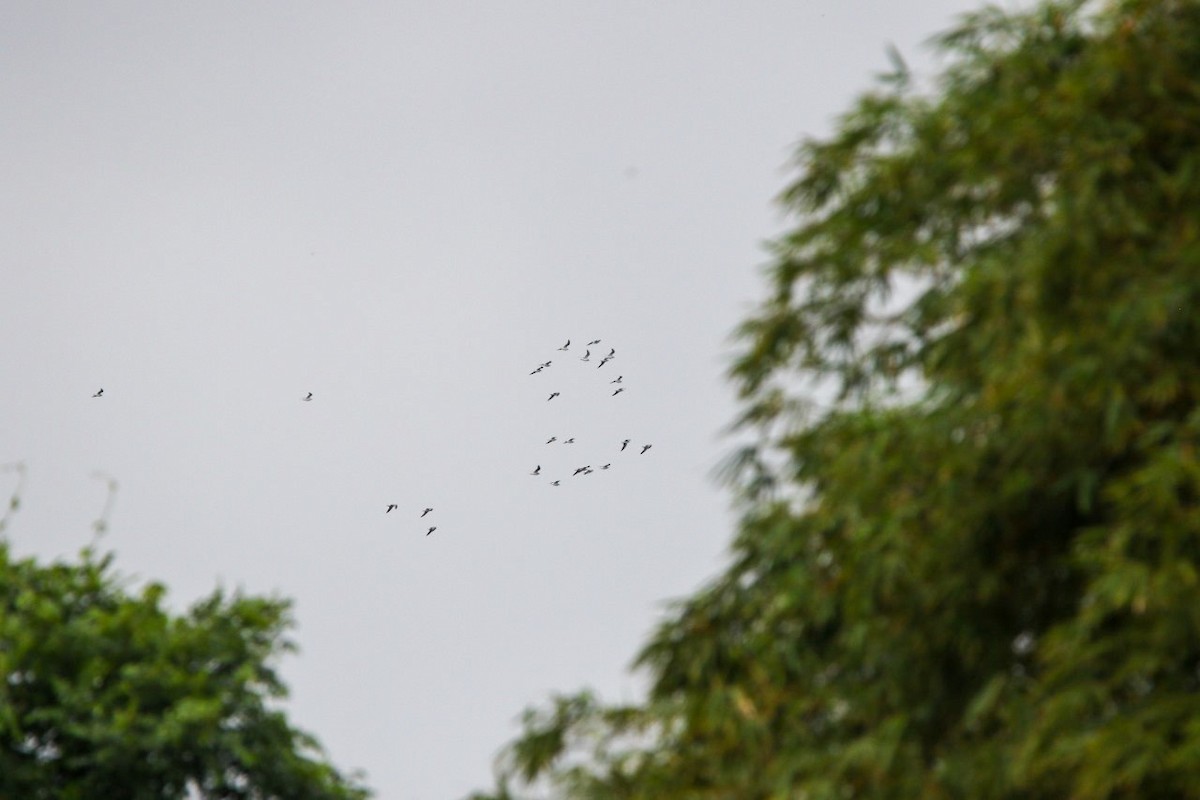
{"x":606,"y":466}
{"x":612,"y":353}
{"x":537,"y":470}
{"x":565,"y":346}
{"x":390,"y":507}
{"x":618,"y":391}
{"x":581,"y":469}
{"x":624,"y":444}
{"x":97,"y":394}
{"x":570,"y":441}
{"x":604,"y":361}
{"x":588,"y":471}
{"x":593,"y":341}
{"x":426,"y":511}
{"x":556,"y":483}
{"x":431,"y":530}
{"x":587,"y":356}
{"x":307,"y":398}
{"x":552,"y":396}
{"x":545,"y":364}
{"x":536,"y":371}
{"x":645,"y":448}
{"x":618,"y":380}
{"x":552,"y":439}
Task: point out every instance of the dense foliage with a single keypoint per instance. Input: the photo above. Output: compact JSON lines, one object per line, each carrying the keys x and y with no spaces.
{"x":976,"y":575}
{"x":107,"y":695}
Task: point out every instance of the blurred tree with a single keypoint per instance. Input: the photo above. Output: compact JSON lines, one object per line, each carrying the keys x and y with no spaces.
{"x":977,"y":574}
{"x":106,"y":695}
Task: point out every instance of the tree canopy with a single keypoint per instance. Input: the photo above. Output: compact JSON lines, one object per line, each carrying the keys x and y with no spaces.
{"x":976,"y":574}
{"x":108,"y":695}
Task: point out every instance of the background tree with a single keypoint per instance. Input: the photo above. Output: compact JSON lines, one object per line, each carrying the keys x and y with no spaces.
{"x":976,"y":575}
{"x":107,"y":695}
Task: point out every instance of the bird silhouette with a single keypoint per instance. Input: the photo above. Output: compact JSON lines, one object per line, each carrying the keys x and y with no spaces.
{"x":618,"y":380}
{"x":426,"y":511}
{"x":552,"y":439}
{"x":565,"y":346}
{"x":587,"y":356}
{"x":606,"y":466}
{"x":556,"y":483}
{"x":645,"y":448}
{"x":431,"y":530}
{"x":552,"y":396}
{"x":537,"y":470}
{"x":618,"y":391}
{"x":536,"y":371}
{"x":570,"y":441}
{"x":307,"y":398}
{"x":581,"y":469}
{"x":545,"y":364}
{"x":390,"y":507}
{"x":97,"y":394}
{"x":604,"y":361}
{"x":593,"y":341}
{"x":612,"y":353}
{"x":624,"y":444}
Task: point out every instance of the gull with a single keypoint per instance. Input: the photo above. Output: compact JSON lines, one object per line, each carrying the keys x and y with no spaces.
{"x":606,"y":466}
{"x":306,"y":399}
{"x":390,"y":507}
{"x":537,"y":470}
{"x":545,"y":364}
{"x":587,"y":356}
{"x":581,"y":469}
{"x":426,"y":511}
{"x":431,"y":530}
{"x":552,"y":396}
{"x":588,"y":471}
{"x":604,"y":361}
{"x":593,"y":341}
{"x":645,"y":448}
{"x":556,"y":483}
{"x":552,"y":439}
{"x":618,"y":391}
{"x":565,"y":346}
{"x":570,"y":441}
{"x":618,"y":380}
{"x":612,"y":353}
{"x":97,"y":394}
{"x":624,"y":444}
{"x":536,"y":371}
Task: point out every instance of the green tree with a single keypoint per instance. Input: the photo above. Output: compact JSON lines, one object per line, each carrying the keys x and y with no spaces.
{"x":107,"y":695}
{"x":977,"y":574}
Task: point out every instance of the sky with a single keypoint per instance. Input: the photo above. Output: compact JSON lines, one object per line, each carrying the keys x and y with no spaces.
{"x":213,"y":209}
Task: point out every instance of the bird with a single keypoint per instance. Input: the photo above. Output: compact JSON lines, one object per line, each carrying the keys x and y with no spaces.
{"x":618,"y":380}
{"x":612,"y":353}
{"x":390,"y":507}
{"x":556,"y":483}
{"x":618,"y":391}
{"x":604,"y":361}
{"x":552,"y":396}
{"x":565,"y":346}
{"x":552,"y":439}
{"x":97,"y":394}
{"x":431,"y":530}
{"x":537,"y":470}
{"x":645,"y":448}
{"x":606,"y":466}
{"x":536,"y":371}
{"x":593,"y":341}
{"x":588,"y":471}
{"x":570,"y":441}
{"x":624,"y":444}
{"x":587,"y":356}
{"x":426,"y":511}
{"x":306,"y":399}
{"x":545,"y":364}
{"x":581,"y":469}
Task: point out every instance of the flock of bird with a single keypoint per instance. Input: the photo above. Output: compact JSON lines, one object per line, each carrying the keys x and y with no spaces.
{"x":537,"y":470}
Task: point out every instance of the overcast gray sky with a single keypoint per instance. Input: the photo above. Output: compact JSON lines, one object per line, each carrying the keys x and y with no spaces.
{"x":212,"y":209}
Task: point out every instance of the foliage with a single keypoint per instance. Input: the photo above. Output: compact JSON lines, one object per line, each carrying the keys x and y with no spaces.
{"x":106,"y":694}
{"x":978,"y":574}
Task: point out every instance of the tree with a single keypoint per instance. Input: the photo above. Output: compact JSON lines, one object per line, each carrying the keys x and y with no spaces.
{"x":977,"y":574}
{"x":106,"y":694}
